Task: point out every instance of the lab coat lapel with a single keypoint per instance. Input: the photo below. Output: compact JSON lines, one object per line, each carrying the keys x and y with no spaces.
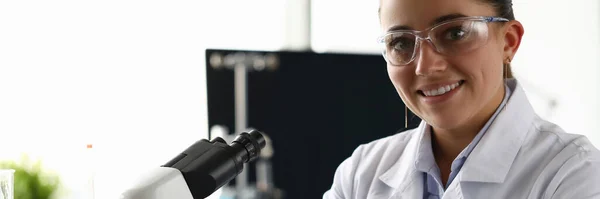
{"x":403,"y":177}
{"x":494,"y":155}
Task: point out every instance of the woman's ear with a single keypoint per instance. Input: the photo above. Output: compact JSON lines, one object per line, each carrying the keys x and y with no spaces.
{"x":512,"y":37}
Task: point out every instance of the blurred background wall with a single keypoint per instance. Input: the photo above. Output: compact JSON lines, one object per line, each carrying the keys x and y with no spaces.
{"x":127,"y":76}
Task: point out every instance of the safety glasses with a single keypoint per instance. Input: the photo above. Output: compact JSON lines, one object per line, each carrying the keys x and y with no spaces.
{"x":453,"y":37}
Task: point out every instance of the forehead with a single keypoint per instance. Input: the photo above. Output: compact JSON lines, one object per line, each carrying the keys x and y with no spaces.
{"x":421,"y":14}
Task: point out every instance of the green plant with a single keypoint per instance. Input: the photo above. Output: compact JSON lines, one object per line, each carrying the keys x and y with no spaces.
{"x":31,"y":180}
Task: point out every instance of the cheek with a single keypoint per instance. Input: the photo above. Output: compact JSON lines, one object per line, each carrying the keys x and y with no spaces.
{"x":401,"y":78}
{"x":489,"y":67}
{"x":480,"y":66}
{"x":394,"y":74}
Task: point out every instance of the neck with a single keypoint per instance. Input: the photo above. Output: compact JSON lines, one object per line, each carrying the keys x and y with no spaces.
{"x":448,"y":143}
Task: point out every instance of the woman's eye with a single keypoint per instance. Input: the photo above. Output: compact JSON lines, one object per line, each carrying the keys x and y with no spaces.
{"x":456,"y":33}
{"x":402,"y":44}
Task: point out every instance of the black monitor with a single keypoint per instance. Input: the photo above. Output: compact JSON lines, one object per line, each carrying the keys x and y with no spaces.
{"x":316,"y":107}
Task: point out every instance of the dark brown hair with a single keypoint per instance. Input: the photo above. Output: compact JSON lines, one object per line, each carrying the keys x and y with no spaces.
{"x":503,"y":8}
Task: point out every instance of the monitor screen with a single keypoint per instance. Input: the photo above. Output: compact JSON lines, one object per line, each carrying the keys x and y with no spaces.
{"x":316,"y":108}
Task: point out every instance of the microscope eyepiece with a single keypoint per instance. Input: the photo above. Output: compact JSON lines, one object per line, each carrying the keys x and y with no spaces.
{"x":208,"y":165}
{"x":253,"y":142}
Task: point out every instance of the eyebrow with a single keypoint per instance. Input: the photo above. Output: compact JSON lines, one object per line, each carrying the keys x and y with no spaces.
{"x":436,"y":21}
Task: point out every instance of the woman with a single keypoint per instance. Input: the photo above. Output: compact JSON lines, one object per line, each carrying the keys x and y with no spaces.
{"x":480,"y":138}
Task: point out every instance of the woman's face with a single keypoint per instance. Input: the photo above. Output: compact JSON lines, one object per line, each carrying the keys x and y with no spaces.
{"x":478,"y":73}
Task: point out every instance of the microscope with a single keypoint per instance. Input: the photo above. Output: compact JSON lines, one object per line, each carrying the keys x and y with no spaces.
{"x":199,"y":170}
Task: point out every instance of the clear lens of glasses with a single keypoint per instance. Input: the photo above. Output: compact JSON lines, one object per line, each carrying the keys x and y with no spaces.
{"x":449,"y":39}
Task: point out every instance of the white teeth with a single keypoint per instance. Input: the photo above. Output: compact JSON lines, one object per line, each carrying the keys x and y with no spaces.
{"x":441,"y":90}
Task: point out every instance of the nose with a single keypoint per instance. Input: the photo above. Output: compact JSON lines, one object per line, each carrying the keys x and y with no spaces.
{"x":429,"y":61}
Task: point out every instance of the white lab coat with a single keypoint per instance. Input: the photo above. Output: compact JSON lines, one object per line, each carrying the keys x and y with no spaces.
{"x":520,"y":156}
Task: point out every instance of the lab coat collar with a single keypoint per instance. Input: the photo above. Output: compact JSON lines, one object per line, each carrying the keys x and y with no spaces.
{"x":503,"y":140}
{"x":493,"y":157}
{"x":403,"y":174}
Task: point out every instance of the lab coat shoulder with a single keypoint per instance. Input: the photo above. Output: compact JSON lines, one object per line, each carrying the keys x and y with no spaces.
{"x":358,"y":175}
{"x":557,"y":164}
{"x":579,"y":177}
{"x":577,"y":163}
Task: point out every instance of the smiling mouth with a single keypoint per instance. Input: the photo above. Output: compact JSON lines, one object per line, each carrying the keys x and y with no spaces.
{"x":441,"y":90}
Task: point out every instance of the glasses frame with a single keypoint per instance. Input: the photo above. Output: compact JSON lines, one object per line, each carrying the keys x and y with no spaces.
{"x":418,"y":34}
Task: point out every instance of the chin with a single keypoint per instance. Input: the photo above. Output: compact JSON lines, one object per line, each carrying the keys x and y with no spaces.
{"x":444,"y":122}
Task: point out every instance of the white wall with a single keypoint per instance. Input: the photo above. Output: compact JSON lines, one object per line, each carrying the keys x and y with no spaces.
{"x":125,"y":75}
{"x":558,"y":58}
{"x":345,"y":26}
